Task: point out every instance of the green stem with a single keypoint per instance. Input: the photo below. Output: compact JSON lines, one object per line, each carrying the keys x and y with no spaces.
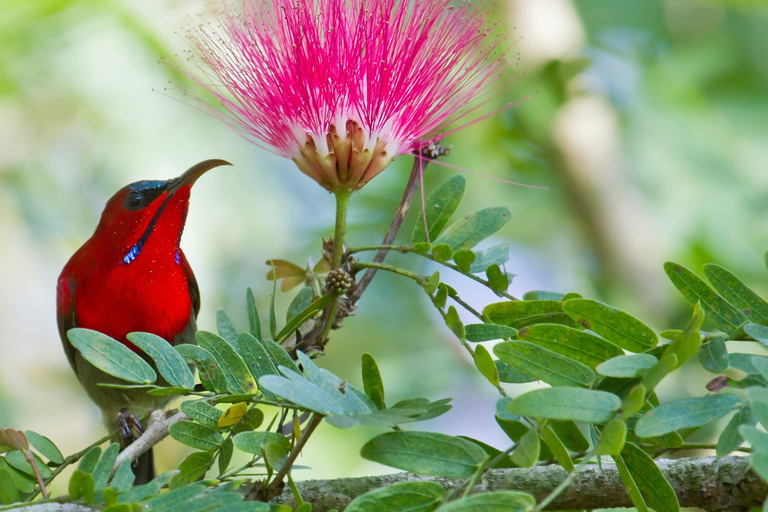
{"x":410,"y":249}
{"x":339,"y":233}
{"x":419,"y":278}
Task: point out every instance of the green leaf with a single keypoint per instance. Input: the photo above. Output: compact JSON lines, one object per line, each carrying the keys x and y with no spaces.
{"x":16,"y":459}
{"x":520,"y":313}
{"x":225,"y":455}
{"x":510,"y":374}
{"x":497,"y":280}
{"x":438,"y":209}
{"x":758,"y":332}
{"x":453,"y":322}
{"x":372,"y":383}
{"x":487,"y":332}
{"x":196,"y":435}
{"x":211,"y":374}
{"x":254,"y":322}
{"x":464,"y":259}
{"x":571,"y":436}
{"x":111,"y":356}
{"x":226,"y":329}
{"x":502,"y":501}
{"x":757,"y":438}
{"x":302,"y":392}
{"x":691,"y":412}
{"x":44,"y":447}
{"x":81,"y":486}
{"x":557,"y":447}
{"x":425,"y":453}
{"x":575,"y":404}
{"x":256,"y":357}
{"x":719,"y":312}
{"x":191,"y":469}
{"x":688,"y":343}
{"x":178,"y":499}
{"x":714,"y":356}
{"x":650,"y":480}
{"x":527,"y":450}
{"x":612,"y":324}
{"x":759,"y":463}
{"x":441,"y":297}
{"x":484,"y":363}
{"x":442,"y":252}
{"x":314,"y":307}
{"x":578,"y":345}
{"x":629,"y":482}
{"x":23,"y":482}
{"x":543,"y":295}
{"x":202,"y":412}
{"x":403,"y":497}
{"x":628,"y":366}
{"x":663,"y":368}
{"x":123,"y":478}
{"x":89,"y":460}
{"x":612,"y":438}
{"x":239,"y":379}
{"x":300,"y":302}
{"x":732,"y":289}
{"x":8,"y":491}
{"x":169,"y":362}
{"x":544,"y":364}
{"x":432,"y":283}
{"x":730,"y":439}
{"x":496,"y":255}
{"x":256,"y":442}
{"x":103,"y":469}
{"x":279,"y":356}
{"x":474,"y":228}
{"x":633,"y":402}
{"x":760,"y":363}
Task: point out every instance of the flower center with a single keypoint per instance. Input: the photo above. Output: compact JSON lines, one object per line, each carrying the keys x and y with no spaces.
{"x":349,"y":160}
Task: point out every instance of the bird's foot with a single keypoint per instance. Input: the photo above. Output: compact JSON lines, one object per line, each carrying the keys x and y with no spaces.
{"x":128,"y":428}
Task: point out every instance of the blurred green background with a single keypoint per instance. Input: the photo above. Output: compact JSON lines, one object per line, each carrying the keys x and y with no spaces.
{"x":646,"y":120}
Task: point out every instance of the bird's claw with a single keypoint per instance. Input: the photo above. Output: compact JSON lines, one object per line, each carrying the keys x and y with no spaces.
{"x":128,"y":428}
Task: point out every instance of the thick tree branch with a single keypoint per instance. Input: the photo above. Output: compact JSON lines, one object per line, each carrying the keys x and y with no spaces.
{"x":157,"y":430}
{"x":714,"y":485}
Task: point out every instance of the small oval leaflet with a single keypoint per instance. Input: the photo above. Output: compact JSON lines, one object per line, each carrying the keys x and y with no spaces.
{"x":503,"y":501}
{"x":551,"y":367}
{"x":169,"y":362}
{"x":576,"y":404}
{"x":425,"y":453}
{"x":111,"y":356}
{"x":691,"y":412}
{"x":612,"y":324}
{"x":628,"y":366}
{"x":403,"y":497}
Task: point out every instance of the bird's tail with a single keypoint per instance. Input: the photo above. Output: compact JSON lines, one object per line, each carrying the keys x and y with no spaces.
{"x":144,"y":468}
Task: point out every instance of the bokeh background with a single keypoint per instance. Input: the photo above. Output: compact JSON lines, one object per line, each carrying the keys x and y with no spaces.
{"x":645,"y":120}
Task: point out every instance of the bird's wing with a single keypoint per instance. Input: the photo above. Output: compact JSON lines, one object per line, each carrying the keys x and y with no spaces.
{"x":194,"y":290}
{"x":65,"y":315}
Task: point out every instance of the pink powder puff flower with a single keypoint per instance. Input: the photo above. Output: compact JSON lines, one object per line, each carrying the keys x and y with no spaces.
{"x":342,"y":87}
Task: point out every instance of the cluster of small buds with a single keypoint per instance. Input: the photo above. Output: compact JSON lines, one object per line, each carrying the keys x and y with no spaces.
{"x":338,"y":280}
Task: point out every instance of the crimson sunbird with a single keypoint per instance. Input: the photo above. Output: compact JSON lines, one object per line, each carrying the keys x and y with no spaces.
{"x":132,"y":276}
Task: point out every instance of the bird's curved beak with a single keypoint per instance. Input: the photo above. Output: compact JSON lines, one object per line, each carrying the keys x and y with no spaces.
{"x":190,"y":176}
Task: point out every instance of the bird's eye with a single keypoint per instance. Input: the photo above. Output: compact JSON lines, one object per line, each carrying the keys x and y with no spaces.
{"x":134,"y":200}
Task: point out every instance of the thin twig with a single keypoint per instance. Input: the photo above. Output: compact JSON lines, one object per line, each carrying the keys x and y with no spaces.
{"x":273,"y":488}
{"x":419,"y":163}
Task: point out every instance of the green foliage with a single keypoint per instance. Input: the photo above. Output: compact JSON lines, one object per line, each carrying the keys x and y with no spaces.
{"x":425,"y":453}
{"x":405,"y":497}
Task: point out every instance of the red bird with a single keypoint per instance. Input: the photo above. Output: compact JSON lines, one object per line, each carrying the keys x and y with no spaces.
{"x":132,"y":276}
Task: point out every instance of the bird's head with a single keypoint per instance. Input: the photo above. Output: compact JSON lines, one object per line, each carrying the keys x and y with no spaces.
{"x":149,"y":216}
